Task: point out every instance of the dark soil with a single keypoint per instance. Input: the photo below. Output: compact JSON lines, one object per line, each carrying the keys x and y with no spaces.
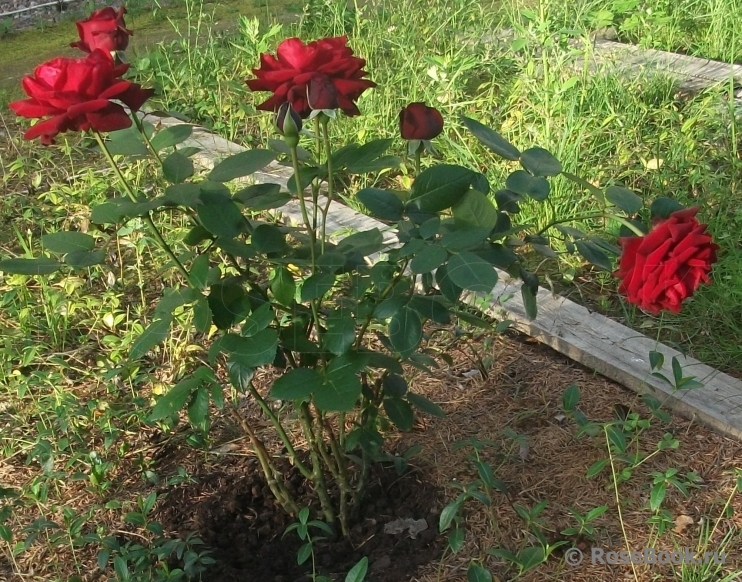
{"x":233,"y":511}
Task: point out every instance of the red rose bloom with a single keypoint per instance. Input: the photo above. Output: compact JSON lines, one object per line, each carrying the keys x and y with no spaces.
{"x":323,"y":74}
{"x":418,"y":121}
{"x":75,"y":94}
{"x":659,"y":270}
{"x":104,"y":29}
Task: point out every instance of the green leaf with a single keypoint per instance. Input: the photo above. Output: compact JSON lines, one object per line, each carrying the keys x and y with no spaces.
{"x":106,"y":213}
{"x":624,"y":198}
{"x":240,"y":376}
{"x":456,"y":539}
{"x":202,"y":315}
{"x":430,"y":308}
{"x":297,"y":384}
{"x":449,"y":512}
{"x":219,"y":214}
{"x":171,"y":136}
{"x":384,"y":361}
{"x":84,"y":259}
{"x":405,"y":331}
{"x":198,"y":409}
{"x":529,"y":300}
{"x":429,"y":228}
{"x":254,"y":351}
{"x":259,"y":319}
{"x":440,"y":187}
{"x":316,"y":286}
{"x":358,"y":572}
{"x":475,"y":209}
{"x":377,"y":165}
{"x":40,"y":266}
{"x":268,"y":238}
{"x":262,"y":197}
{"x":381,"y":203}
{"x":571,"y":398}
{"x":540,"y":162}
{"x":228,"y":304}
{"x":183,"y":194}
{"x":492,"y":139}
{"x":236,"y":247}
{"x":242,"y":164}
{"x":283,"y":286}
{"x":477,"y":573}
{"x":196,"y":235}
{"x":521,"y":182}
{"x":447,"y":287}
{"x":399,"y":412}
{"x":155,"y":333}
{"x":340,"y":334}
{"x":126,"y":142}
{"x":331,"y":262}
{"x":594,"y":255}
{"x":174,"y":400}
{"x":340,"y":391}
{"x":425,"y":405}
{"x":365,"y":242}
{"x":429,"y":258}
{"x":657,"y":496}
{"x":394,"y":385}
{"x":469,"y":271}
{"x":663,"y":207}
{"x":596,"y":468}
{"x":306,"y":175}
{"x":656,"y":360}
{"x":177,"y":168}
{"x":67,"y":242}
{"x":464,"y":239}
{"x":366,"y":154}
{"x":617,"y":437}
{"x":200,"y":271}
{"x":529,"y":558}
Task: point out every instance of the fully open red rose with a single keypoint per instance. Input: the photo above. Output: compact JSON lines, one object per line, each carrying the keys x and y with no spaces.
{"x":320,"y":75}
{"x":76,"y":94}
{"x":418,"y":121}
{"x":659,"y":270}
{"x":104,"y":29}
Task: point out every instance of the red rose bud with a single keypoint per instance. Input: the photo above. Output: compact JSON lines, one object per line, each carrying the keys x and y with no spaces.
{"x":104,"y":29}
{"x":289,"y":124}
{"x":77,"y":94}
{"x":661,"y":269}
{"x":321,"y":93}
{"x":418,"y":121}
{"x":324,"y":72}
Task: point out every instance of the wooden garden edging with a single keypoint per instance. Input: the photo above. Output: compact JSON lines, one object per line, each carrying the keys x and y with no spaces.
{"x":604,"y":345}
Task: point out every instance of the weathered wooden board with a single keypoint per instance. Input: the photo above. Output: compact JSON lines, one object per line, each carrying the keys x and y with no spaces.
{"x":591,"y":339}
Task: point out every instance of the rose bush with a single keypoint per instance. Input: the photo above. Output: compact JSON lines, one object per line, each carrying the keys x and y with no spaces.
{"x":418,"y":121}
{"x":660,"y":270}
{"x":104,"y":29}
{"x":78,"y":95}
{"x":339,"y":331}
{"x":320,"y":75}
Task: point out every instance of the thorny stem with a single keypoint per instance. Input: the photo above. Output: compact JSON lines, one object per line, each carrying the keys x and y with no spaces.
{"x":280,"y":430}
{"x":326,"y":138}
{"x":140,"y":127}
{"x":311,"y":229}
{"x":269,"y":470}
{"x":342,"y":477}
{"x":315,"y":183}
{"x":418,"y":155}
{"x":147,"y":217}
{"x":305,"y":417}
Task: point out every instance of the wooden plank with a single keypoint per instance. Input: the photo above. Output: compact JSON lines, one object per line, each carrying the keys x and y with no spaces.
{"x":606,"y":346}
